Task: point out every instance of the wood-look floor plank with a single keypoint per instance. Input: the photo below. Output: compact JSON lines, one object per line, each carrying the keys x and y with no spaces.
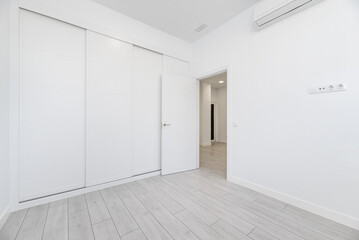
{"x":323,"y":221}
{"x":122,"y":218}
{"x":241,"y":224}
{"x":257,"y":221}
{"x":225,"y":186}
{"x":59,"y":203}
{"x":321,"y":229}
{"x":97,"y":207}
{"x":199,"y":211}
{"x":198,"y":227}
{"x":77,"y":204}
{"x":56,"y":227}
{"x":12,"y":225}
{"x":228,"y":231}
{"x":33,"y":225}
{"x":258,"y":234}
{"x":172,"y":205}
{"x":271,"y":202}
{"x":148,"y":224}
{"x":160,"y":179}
{"x":204,"y":184}
{"x":293,"y":227}
{"x":190,"y":185}
{"x":80,"y":226}
{"x":135,"y":235}
{"x":106,"y":230}
{"x":135,"y":188}
{"x":199,"y":172}
{"x":173,"y":226}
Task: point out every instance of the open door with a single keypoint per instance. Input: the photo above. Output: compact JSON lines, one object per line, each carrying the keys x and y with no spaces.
{"x":179,"y":133}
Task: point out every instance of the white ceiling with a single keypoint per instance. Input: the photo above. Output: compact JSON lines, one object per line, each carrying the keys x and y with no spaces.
{"x":180,"y":18}
{"x":214,"y":80}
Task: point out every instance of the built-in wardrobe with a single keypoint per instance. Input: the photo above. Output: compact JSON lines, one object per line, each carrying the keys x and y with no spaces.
{"x":90,"y":107}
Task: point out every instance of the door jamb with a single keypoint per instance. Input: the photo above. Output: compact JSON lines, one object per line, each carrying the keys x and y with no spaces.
{"x":200,"y":77}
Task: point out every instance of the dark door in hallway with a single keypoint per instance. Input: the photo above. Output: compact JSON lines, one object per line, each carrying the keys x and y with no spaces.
{"x":212,"y":121}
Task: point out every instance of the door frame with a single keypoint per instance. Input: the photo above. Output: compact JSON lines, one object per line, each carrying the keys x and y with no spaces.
{"x":200,"y":77}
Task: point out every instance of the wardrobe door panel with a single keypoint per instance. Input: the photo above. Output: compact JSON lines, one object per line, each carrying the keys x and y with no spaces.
{"x":147,"y":110}
{"x":52,"y":112}
{"x":175,"y":66}
{"x":109,"y":109}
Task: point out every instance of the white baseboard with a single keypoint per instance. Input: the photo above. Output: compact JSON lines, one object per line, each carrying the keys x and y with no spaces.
{"x":44,"y":200}
{"x":4,"y":215}
{"x":308,"y":206}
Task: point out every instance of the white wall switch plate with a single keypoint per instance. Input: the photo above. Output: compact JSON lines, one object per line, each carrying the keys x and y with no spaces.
{"x":335,"y":87}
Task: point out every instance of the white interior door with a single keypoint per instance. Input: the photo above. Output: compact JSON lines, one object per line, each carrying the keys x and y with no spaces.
{"x":179,"y":118}
{"x":109,"y":109}
{"x":52,"y":110}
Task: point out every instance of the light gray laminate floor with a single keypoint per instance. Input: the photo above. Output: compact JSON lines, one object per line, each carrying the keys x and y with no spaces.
{"x":193,"y":205}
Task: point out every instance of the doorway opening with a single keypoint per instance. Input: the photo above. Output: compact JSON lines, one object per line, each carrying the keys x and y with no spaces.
{"x":213,"y":124}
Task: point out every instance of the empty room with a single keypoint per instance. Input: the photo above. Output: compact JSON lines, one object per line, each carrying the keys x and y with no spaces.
{"x":179,"y":119}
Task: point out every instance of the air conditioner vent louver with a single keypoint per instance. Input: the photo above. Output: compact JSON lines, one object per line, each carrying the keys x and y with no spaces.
{"x":269,"y":12}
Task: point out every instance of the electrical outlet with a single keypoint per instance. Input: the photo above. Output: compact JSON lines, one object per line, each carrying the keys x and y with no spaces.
{"x":335,"y":87}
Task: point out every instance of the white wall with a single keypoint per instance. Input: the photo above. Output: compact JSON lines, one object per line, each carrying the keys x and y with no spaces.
{"x":4,"y":106}
{"x":219,"y":98}
{"x":213,"y":95}
{"x":214,"y":101}
{"x":221,"y":103}
{"x":205,"y":114}
{"x":301,"y":147}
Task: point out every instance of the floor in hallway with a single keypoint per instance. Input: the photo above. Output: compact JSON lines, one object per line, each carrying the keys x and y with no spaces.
{"x":195,"y":205}
{"x":214,"y":158}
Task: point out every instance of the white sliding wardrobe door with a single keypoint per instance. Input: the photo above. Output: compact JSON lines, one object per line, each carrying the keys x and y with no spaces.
{"x":175,"y":66}
{"x":109,"y":109}
{"x":52,"y":106}
{"x":147,"y":72}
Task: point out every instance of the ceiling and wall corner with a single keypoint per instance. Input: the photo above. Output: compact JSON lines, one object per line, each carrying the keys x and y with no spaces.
{"x":181,"y":18}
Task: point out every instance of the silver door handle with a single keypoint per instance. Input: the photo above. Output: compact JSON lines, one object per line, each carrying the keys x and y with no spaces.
{"x":166,"y":124}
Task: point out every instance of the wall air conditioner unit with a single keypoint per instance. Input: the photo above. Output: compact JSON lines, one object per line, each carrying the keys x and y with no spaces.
{"x":268,"y":12}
